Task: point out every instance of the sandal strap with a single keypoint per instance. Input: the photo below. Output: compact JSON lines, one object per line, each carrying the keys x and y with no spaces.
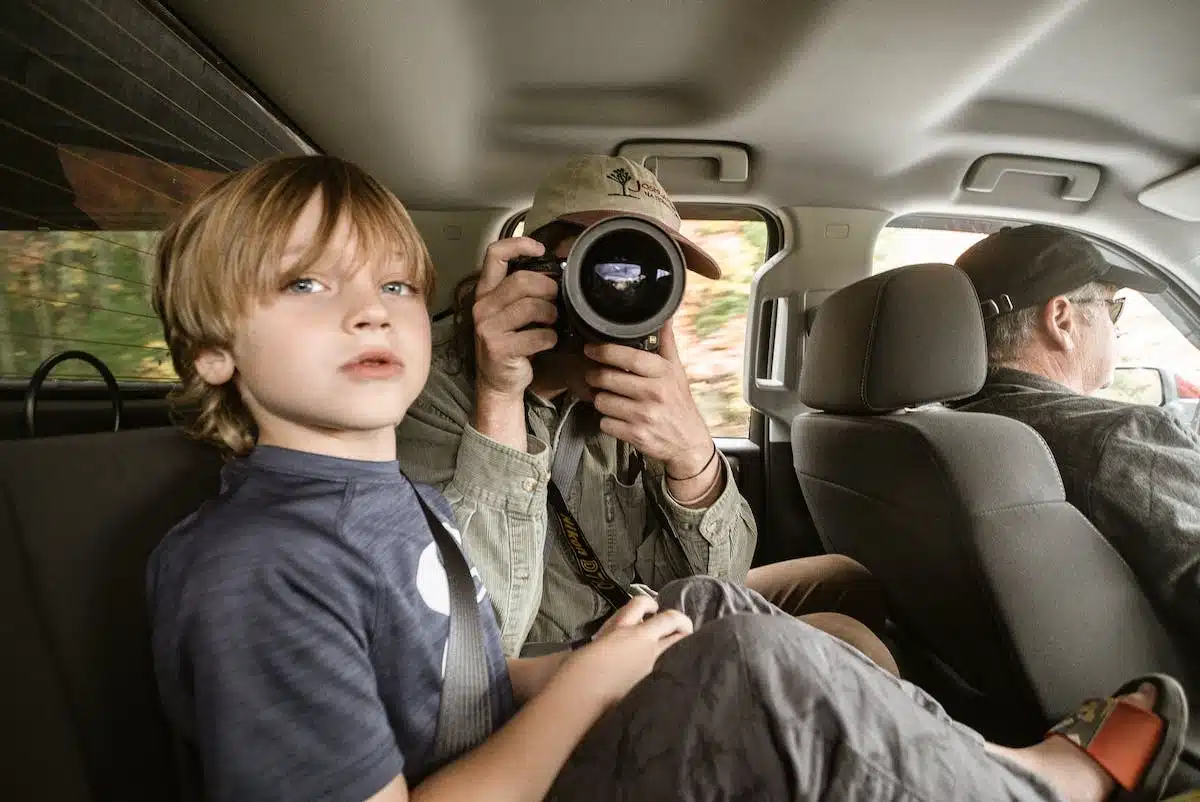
{"x":1122,"y":737}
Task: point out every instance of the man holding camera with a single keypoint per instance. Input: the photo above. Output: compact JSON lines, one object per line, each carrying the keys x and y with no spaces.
{"x":578,"y":464}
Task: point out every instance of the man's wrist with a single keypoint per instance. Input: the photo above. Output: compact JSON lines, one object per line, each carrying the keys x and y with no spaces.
{"x":691,"y":463}
{"x":703,"y":480}
{"x":501,"y":416}
{"x":700,"y":491}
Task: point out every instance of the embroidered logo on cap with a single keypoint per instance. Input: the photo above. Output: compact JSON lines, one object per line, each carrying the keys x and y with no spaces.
{"x":622,"y":178}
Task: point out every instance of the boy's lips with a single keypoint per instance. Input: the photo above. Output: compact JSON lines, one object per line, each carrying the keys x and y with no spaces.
{"x":377,"y":363}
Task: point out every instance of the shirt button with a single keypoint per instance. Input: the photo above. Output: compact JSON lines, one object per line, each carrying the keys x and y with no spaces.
{"x":529,"y":485}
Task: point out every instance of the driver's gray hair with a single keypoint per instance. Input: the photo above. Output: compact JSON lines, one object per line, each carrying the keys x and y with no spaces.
{"x":1008,"y":335}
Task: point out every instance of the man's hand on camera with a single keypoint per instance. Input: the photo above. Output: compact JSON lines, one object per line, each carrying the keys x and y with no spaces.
{"x":645,"y":400}
{"x":504,"y":305}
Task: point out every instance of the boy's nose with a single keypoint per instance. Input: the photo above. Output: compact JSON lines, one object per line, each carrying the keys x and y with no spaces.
{"x":374,"y":316}
{"x":367,"y":311}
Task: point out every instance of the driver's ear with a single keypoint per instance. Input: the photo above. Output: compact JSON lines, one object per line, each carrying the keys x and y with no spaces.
{"x":1059,"y":323}
{"x":215,"y":365}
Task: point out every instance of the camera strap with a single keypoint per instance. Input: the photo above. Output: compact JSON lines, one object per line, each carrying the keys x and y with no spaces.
{"x":568,"y":456}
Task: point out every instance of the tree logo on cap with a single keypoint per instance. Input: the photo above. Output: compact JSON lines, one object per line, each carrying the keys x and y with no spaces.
{"x":622,"y":177}
{"x":643,"y":189}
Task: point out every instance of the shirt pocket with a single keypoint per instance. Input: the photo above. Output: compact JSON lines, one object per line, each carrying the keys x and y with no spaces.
{"x":625,"y":509}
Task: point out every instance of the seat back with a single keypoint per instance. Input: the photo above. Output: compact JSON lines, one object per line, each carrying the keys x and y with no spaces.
{"x":79,"y":516}
{"x":963,"y":520}
{"x":962,"y":516}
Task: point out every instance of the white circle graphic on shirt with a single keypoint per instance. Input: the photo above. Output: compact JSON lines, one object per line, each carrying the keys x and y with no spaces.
{"x":431,"y":581}
{"x":433,"y":585}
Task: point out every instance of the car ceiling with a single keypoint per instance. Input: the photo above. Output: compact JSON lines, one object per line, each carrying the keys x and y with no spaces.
{"x":462,"y":104}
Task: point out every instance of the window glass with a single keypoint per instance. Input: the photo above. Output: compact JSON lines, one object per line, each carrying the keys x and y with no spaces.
{"x":109,"y":121}
{"x":1156,"y":364}
{"x":898,"y":246}
{"x":711,"y":323}
{"x":71,"y":290}
{"x":1146,"y":337}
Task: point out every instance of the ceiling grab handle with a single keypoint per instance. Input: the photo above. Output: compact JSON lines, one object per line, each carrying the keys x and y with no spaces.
{"x":1082,"y":179}
{"x":733,"y":161}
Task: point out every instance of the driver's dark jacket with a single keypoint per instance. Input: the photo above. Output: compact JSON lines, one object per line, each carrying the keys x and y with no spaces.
{"x":1134,"y":471}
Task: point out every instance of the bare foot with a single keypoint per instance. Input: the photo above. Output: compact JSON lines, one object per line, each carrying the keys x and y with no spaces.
{"x":1069,"y":769}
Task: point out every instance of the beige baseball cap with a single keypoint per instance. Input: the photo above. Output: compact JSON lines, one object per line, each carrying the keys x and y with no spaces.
{"x":588,"y":189}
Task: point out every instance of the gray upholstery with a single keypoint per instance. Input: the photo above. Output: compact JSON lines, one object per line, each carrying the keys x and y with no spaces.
{"x":900,"y":339}
{"x":79,"y":516}
{"x":963,"y":518}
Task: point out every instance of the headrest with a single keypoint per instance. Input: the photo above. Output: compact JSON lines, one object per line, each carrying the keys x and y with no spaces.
{"x":906,"y":337}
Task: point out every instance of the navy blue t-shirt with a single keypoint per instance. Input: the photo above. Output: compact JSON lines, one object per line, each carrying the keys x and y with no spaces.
{"x":299,"y":629}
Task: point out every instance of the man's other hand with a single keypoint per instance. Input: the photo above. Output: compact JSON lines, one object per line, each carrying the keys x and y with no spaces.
{"x":645,"y":400}
{"x":513,"y":314}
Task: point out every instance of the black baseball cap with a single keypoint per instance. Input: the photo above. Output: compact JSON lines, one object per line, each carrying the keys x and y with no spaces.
{"x":1016,"y":268}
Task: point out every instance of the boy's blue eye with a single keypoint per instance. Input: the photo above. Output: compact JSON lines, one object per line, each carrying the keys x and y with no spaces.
{"x":399,"y":288}
{"x":305,"y":285}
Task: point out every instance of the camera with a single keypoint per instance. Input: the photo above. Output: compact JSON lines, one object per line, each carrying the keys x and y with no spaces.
{"x":622,"y":280}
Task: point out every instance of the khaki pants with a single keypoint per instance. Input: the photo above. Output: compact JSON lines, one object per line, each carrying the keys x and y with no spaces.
{"x":832,"y":593}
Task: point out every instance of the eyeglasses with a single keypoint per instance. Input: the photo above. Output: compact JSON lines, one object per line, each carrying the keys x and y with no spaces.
{"x":1115,"y":306}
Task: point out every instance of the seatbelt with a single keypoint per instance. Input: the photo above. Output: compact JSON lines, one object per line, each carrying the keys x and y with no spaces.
{"x":465,"y":715}
{"x":580,"y":420}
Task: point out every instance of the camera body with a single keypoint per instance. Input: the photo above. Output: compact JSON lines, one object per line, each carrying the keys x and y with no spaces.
{"x":622,"y":280}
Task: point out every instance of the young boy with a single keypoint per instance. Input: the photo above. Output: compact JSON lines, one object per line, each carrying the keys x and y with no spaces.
{"x":300,"y":620}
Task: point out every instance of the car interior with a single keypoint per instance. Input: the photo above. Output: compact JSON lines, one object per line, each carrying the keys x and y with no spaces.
{"x":810,"y":147}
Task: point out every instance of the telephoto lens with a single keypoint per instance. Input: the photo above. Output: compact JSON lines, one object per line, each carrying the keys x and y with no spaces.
{"x":622,"y":281}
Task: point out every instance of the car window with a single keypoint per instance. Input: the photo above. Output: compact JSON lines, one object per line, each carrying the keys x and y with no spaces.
{"x":111,"y":124}
{"x":711,"y":322}
{"x":1156,"y":364}
{"x":898,"y":246}
{"x":72,"y":290}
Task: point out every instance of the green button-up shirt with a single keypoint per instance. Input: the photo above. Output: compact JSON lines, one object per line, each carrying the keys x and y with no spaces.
{"x":499,"y":496}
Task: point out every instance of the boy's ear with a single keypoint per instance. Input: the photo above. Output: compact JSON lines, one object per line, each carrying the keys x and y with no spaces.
{"x":215,"y":365}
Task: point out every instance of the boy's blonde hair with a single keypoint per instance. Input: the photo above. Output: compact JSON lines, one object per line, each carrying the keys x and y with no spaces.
{"x":221,"y":255}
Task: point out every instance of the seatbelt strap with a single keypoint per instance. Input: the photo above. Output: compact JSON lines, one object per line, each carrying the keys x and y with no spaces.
{"x":580,"y":420}
{"x":465,"y":715}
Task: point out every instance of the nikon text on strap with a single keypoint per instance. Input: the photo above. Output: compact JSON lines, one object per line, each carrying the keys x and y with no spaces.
{"x":578,"y":421}
{"x":587,"y":564}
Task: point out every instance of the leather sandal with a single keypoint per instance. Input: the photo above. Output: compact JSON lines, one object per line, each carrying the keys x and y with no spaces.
{"x":1138,"y":748}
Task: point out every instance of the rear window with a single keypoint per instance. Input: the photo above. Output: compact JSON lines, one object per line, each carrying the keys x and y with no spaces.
{"x":111,"y":118}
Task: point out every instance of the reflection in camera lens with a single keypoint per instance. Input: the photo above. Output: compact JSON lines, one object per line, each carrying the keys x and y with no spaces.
{"x":625,"y":277}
